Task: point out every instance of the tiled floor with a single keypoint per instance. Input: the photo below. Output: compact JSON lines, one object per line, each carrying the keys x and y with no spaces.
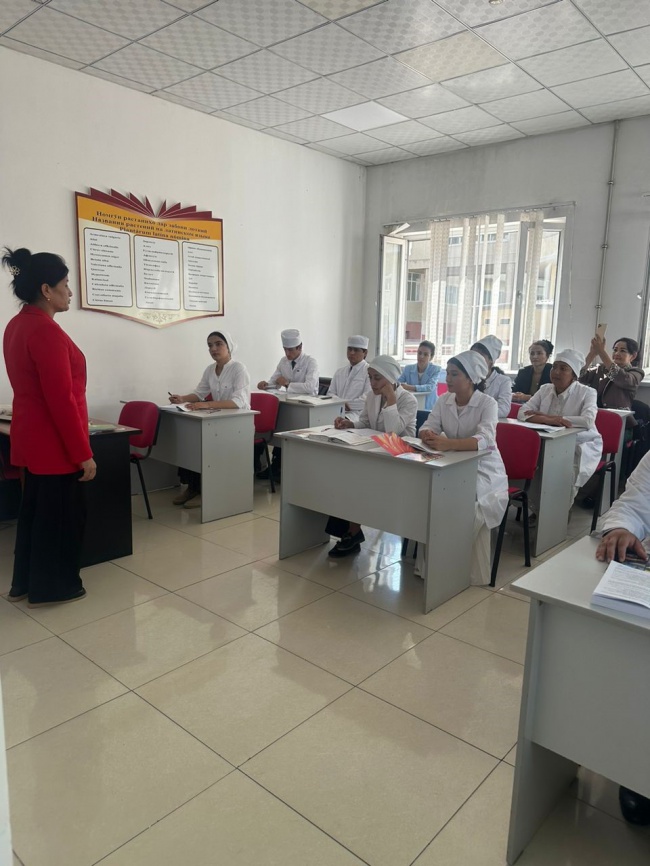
{"x":210,"y":705}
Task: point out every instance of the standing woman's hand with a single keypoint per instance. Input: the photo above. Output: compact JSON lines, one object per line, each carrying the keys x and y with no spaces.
{"x":89,"y":469}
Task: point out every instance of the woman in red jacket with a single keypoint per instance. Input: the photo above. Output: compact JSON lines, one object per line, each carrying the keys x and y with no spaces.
{"x":49,"y":432}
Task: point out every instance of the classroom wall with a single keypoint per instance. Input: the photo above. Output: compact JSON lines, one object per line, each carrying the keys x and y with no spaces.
{"x":293,"y":224}
{"x":572,"y":166}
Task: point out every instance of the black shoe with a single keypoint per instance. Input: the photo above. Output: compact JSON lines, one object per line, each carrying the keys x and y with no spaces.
{"x":347,"y":546}
{"x":634,"y":807}
{"x":80,"y":593}
{"x":588,"y":502}
{"x":16,"y":596}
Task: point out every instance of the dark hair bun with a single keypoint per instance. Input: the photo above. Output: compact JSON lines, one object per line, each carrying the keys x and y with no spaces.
{"x":29,"y":272}
{"x":546,"y":345}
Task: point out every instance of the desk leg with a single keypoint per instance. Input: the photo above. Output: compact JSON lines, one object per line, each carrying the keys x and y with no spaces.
{"x":300,"y":529}
{"x":551,"y":493}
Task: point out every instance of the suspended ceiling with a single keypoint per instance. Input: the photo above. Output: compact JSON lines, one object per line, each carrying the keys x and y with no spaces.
{"x":371,"y":81}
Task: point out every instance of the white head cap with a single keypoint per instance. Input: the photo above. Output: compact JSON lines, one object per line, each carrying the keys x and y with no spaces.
{"x":358,"y":342}
{"x":291,"y":338}
{"x":388,"y":367}
{"x":572,"y":357}
{"x":473,"y":363}
{"x":493,"y":344}
{"x":232,"y":346}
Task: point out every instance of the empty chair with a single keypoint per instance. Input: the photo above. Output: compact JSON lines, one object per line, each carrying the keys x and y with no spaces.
{"x":146,"y":417}
{"x":514,"y":410}
{"x":610,"y":426}
{"x":324,"y":383}
{"x":519,"y":448}
{"x":267,"y":405}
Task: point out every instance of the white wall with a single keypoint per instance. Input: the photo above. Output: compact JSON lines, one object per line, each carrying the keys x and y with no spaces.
{"x":293,"y":224}
{"x":562,"y":167}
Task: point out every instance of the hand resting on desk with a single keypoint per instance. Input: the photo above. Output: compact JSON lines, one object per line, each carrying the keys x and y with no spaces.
{"x":617,"y":544}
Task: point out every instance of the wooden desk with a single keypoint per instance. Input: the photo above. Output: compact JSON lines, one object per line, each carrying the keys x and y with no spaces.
{"x":430,"y":503}
{"x":220,"y":447}
{"x":586,"y":691}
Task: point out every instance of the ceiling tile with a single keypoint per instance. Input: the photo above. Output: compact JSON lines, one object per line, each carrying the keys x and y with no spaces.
{"x":320,"y":96}
{"x":368,"y":115}
{"x":574,"y":63}
{"x":618,"y":110}
{"x":240,"y":121}
{"x":179,"y":100}
{"x":266,"y":72}
{"x":334,"y":9}
{"x":525,"y":106}
{"x":436,"y":145}
{"x":277,"y":133}
{"x":11,"y":11}
{"x":380,"y":78}
{"x":424,"y":101}
{"x":489,"y":136}
{"x":264,"y":23}
{"x":23,"y":48}
{"x":147,"y":66}
{"x":118,"y":79}
{"x":472,"y":13}
{"x":402,"y":24}
{"x":634,"y":45}
{"x":268,"y":111}
{"x":130,"y":18}
{"x":199,"y":43}
{"x":328,"y":49}
{"x":462,"y":120}
{"x":552,"y":123}
{"x":644,"y":72}
{"x":404,"y":133}
{"x":449,"y":58}
{"x":387,"y":154}
{"x":323,"y":149}
{"x":315,"y":128}
{"x":491,"y":84}
{"x":612,"y":17}
{"x":186,"y":5}
{"x":210,"y":89}
{"x":539,"y":31}
{"x":353,"y":144}
{"x":60,"y":34}
{"x":605,"y":88}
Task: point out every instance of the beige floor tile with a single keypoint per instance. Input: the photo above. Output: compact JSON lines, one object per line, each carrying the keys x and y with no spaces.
{"x":243,"y":823}
{"x":511,"y":757}
{"x":109,"y":590}
{"x":256,"y":539}
{"x":265,"y":502}
{"x":254,"y":594}
{"x":508,"y":590}
{"x":150,"y":640}
{"x":16,"y":629}
{"x":477,"y":835}
{"x":346,"y":637}
{"x":386,"y":782}
{"x":150,"y":534}
{"x":397,"y":590}
{"x":188,"y":560}
{"x":498,"y":625}
{"x":601,"y":793}
{"x":316,"y":565}
{"x":16,"y":861}
{"x":242,"y":697}
{"x":188,"y":520}
{"x":383,"y":542}
{"x":466,"y":691}
{"x":47,"y":683}
{"x":82,"y":789}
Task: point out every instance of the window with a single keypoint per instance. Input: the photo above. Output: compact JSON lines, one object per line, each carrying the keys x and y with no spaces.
{"x":414,"y":281}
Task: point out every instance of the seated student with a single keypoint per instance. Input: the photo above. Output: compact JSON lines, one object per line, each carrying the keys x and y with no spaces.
{"x":616,"y":378}
{"x":624,"y":527}
{"x":529,"y":379}
{"x":228,"y":384}
{"x":465,"y":419}
{"x":423,"y":376}
{"x":567,"y":403}
{"x":497,"y":384}
{"x":351,"y":383}
{"x":387,"y":408}
{"x":298,"y":373}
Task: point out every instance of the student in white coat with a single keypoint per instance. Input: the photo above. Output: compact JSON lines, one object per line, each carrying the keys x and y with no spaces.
{"x":567,"y":403}
{"x":497,"y":384}
{"x":228,"y":385}
{"x":387,"y":408}
{"x":465,"y":419}
{"x":351,"y":383}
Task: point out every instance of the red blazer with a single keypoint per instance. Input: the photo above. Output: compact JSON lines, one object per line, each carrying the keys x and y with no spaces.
{"x":49,"y":427}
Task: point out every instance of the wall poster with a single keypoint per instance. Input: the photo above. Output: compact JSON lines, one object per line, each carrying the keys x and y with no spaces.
{"x":155,"y":268}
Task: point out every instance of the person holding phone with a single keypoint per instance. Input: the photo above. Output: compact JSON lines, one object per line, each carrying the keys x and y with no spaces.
{"x":617,"y":376}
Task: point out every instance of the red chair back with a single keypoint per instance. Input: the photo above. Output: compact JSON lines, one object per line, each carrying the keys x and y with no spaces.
{"x":146,"y":417}
{"x":441,"y":388}
{"x":514,"y":410}
{"x":267,"y":405}
{"x":519,"y":448}
{"x":609,"y":425}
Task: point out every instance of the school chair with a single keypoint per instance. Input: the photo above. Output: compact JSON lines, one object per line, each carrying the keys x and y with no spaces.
{"x":609,"y":425}
{"x":514,"y":410}
{"x":639,"y":444}
{"x":324,"y":383}
{"x":519,"y":448}
{"x":267,"y":405}
{"x":146,"y":417}
{"x":441,"y":388}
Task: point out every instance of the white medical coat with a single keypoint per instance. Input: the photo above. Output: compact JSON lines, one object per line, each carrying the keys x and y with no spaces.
{"x":499,"y":386}
{"x":233,"y":384}
{"x":351,"y":383}
{"x":303,"y":378}
{"x":399,"y":418}
{"x":632,"y":510}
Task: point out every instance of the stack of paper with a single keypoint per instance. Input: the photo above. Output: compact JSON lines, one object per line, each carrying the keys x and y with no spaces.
{"x":625,"y":588}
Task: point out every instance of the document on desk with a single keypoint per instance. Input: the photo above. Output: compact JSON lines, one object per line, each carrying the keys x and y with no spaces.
{"x":341,"y":437}
{"x":307,"y":400}
{"x":546,"y":428}
{"x":183,"y":407}
{"x":625,"y":587}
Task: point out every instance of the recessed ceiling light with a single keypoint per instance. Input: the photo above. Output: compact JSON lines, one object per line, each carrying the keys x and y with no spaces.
{"x":495,"y":2}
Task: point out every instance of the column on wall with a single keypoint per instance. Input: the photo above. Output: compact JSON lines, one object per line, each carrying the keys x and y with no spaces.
{"x":434,"y":303}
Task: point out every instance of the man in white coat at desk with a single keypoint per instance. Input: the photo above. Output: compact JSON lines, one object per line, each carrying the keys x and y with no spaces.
{"x":351,"y":383}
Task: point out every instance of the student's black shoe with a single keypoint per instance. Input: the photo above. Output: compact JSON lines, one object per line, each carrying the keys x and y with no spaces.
{"x":16,"y":596}
{"x":80,"y":593}
{"x":265,"y":474}
{"x":634,"y":807}
{"x":588,"y":502}
{"x":347,"y":546}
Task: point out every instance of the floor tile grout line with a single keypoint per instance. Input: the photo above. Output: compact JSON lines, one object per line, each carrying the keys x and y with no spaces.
{"x":491,"y":652}
{"x":302,"y":658}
